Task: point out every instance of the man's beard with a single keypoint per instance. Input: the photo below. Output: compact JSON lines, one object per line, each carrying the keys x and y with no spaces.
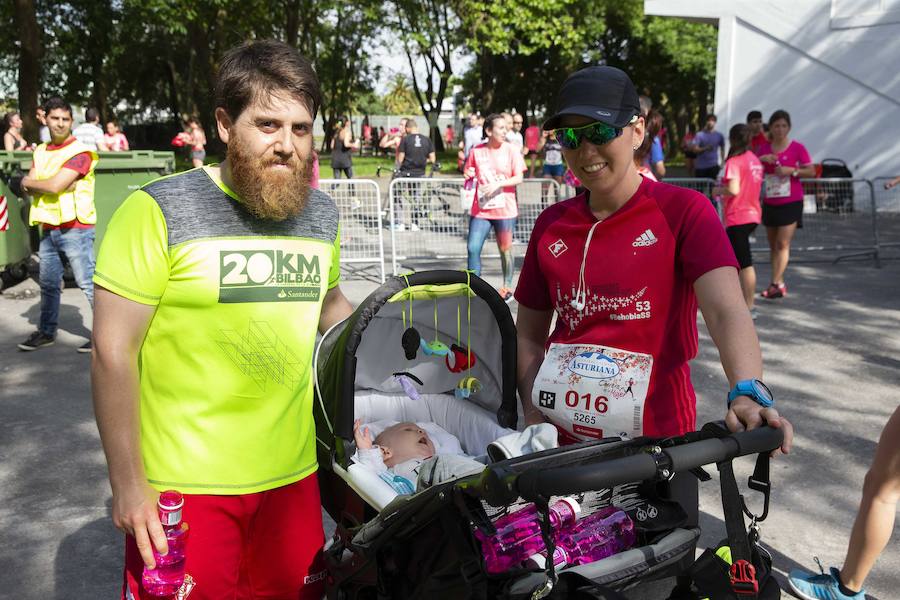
{"x":267,"y":193}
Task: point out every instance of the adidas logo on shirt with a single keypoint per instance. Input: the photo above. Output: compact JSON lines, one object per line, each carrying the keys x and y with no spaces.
{"x":645,"y":239}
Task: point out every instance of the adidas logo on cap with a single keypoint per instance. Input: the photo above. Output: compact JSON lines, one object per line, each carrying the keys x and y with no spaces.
{"x":645,"y":239}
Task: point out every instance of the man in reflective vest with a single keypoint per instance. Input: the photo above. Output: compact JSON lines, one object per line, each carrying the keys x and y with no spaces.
{"x":61,"y":185}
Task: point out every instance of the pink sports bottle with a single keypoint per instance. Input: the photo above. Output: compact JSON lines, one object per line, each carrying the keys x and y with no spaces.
{"x":519,"y":534}
{"x":604,"y":533}
{"x":168,"y":575}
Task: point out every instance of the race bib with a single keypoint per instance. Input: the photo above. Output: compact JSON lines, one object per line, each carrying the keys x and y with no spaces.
{"x":778,"y":186}
{"x":553,"y":157}
{"x":493,"y":201}
{"x":593,"y":391}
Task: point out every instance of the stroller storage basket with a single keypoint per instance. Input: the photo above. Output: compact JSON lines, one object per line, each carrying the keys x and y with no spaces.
{"x":423,"y":546}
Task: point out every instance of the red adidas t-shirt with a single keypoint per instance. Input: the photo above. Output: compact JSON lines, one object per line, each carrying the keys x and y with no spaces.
{"x":641,"y":266}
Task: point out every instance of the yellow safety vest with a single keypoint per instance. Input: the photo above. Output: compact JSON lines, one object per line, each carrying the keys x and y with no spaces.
{"x":55,"y":209}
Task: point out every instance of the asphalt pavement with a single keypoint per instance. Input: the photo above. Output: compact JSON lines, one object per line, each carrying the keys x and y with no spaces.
{"x":832,"y":357}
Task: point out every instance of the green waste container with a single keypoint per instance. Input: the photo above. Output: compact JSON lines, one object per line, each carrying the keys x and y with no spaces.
{"x":15,"y":242}
{"x":117,"y":175}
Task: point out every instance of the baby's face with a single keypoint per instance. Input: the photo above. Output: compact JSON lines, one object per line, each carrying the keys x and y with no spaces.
{"x":404,"y":441}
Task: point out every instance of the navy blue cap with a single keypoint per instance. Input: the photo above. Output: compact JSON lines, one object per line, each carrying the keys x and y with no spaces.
{"x":603,"y":94}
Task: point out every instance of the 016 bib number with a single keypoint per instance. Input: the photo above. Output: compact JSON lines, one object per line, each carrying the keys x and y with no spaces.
{"x":593,"y":391}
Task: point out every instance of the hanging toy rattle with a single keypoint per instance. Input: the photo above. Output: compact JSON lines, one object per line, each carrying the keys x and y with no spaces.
{"x":466,"y":387}
{"x":411,"y":338}
{"x":463,"y":359}
{"x":435,"y":347}
{"x":406,"y":380}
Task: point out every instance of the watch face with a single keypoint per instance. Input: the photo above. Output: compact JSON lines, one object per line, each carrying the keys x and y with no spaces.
{"x":762,"y":391}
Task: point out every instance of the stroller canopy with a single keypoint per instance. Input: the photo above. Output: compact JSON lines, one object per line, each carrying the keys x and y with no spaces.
{"x":364,"y":351}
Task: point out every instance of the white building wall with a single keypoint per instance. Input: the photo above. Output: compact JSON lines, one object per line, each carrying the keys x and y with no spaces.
{"x":834,"y":65}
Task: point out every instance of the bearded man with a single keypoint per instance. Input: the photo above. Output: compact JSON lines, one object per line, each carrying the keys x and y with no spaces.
{"x":210,"y":286}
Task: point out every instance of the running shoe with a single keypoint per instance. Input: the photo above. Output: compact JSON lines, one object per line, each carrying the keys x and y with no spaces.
{"x":825,"y":586}
{"x":506,"y":294}
{"x":86,"y":348}
{"x":413,"y":227}
{"x":35,"y":341}
{"x":775,"y":290}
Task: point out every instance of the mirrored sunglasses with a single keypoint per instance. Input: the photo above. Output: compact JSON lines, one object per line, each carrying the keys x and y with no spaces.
{"x":596,"y":133}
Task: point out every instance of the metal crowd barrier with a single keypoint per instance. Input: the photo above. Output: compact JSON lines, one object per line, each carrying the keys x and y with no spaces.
{"x":427,"y":222}
{"x":838,"y":217}
{"x":887,"y":209}
{"x":842,"y":218}
{"x":362,"y":241}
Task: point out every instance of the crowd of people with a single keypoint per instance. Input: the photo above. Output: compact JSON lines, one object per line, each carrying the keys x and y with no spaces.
{"x":88,"y":132}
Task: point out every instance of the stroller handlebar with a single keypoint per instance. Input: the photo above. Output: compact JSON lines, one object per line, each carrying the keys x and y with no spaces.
{"x":499,"y":486}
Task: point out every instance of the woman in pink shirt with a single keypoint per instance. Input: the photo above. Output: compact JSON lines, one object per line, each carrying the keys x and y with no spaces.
{"x":115,"y":140}
{"x":785,"y":161}
{"x":497,"y":168}
{"x":740,"y":189}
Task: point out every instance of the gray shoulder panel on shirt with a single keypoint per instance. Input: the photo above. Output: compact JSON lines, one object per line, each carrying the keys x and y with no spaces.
{"x":195,"y":207}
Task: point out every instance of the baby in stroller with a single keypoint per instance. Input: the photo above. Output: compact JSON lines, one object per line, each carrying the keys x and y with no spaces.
{"x":406,"y":458}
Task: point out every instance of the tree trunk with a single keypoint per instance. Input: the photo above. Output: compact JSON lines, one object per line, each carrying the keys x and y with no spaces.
{"x":30,"y":53}
{"x":291,"y":22}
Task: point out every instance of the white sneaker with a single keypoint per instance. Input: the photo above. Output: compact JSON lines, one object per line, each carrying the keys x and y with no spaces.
{"x":398,"y":227}
{"x":413,"y":227}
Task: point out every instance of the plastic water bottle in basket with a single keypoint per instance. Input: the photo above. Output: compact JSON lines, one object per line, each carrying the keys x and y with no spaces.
{"x":519,"y":534}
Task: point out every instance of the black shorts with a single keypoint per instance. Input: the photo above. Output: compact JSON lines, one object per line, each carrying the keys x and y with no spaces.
{"x":739,"y":236}
{"x":781,"y":215}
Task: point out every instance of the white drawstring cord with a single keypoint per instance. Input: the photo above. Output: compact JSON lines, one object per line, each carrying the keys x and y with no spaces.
{"x":580,"y":299}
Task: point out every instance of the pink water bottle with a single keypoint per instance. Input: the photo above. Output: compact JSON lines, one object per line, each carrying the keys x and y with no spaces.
{"x":168,"y":575}
{"x":519,"y":534}
{"x":604,"y":533}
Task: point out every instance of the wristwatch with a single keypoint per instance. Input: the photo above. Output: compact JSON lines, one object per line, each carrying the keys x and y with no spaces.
{"x":795,"y":172}
{"x":754,"y":389}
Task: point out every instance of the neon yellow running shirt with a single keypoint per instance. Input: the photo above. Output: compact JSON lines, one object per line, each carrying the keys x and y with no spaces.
{"x":226,"y":367}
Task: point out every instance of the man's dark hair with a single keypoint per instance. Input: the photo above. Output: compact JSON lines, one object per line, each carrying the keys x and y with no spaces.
{"x":260,"y":68}
{"x":754,"y":114}
{"x":713,"y":117}
{"x":56,"y":102}
{"x":91,"y":115}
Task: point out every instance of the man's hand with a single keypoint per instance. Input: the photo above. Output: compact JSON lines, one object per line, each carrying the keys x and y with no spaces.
{"x":134,"y":512}
{"x":745,"y":414}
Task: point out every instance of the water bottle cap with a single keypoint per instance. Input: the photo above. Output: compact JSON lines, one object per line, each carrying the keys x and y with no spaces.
{"x":538,"y":560}
{"x":573,"y":503}
{"x":170,"y":500}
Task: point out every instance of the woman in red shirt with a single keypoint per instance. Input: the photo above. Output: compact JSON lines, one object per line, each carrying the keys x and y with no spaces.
{"x":623,"y":268}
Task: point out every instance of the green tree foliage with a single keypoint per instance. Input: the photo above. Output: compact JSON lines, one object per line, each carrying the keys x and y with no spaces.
{"x":142,"y":58}
{"x":537,"y":44}
{"x":400,"y":98}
